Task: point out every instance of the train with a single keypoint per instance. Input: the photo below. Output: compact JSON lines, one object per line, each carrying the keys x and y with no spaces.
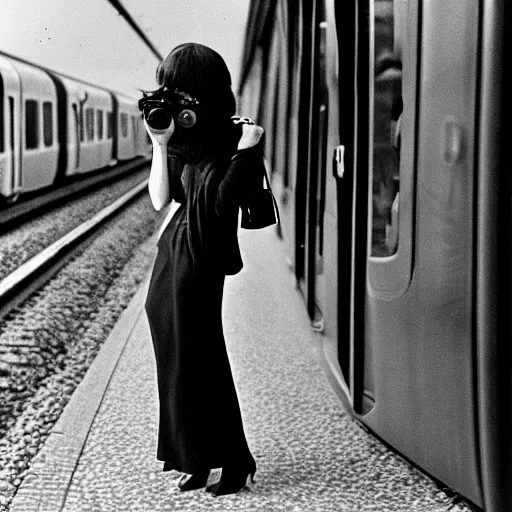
{"x":54,"y":128}
{"x":387,"y":142}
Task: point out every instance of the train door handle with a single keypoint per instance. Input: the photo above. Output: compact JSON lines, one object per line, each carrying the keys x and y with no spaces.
{"x":338,"y":161}
{"x":453,"y":141}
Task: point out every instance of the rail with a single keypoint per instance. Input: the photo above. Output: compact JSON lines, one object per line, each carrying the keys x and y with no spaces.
{"x":34,"y":273}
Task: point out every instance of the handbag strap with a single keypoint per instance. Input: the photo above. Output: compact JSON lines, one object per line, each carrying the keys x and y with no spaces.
{"x":271,"y":193}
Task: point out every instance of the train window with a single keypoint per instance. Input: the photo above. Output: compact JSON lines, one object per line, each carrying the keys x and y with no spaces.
{"x":387,"y":110}
{"x":47,"y":123}
{"x":99,"y":116}
{"x":124,"y":125}
{"x":31,"y":125}
{"x":110,"y":125}
{"x":134,"y":127}
{"x":89,"y":123}
{"x":393,"y":81}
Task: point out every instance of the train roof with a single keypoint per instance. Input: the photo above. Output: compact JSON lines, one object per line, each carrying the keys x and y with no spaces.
{"x":64,"y":75}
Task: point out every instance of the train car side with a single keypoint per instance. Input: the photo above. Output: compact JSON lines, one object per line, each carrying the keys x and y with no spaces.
{"x":54,"y":127}
{"x":92,"y":108}
{"x":390,"y":163}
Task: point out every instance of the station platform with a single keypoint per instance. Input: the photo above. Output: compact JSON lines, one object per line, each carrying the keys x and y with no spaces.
{"x":311,"y":455}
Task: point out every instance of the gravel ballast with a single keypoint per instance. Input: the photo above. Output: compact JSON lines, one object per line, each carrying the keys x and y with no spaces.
{"x":19,"y":245}
{"x":47,"y":345}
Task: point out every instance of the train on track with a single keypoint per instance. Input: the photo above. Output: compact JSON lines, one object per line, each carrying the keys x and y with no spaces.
{"x":53,"y":127}
{"x":387,"y":138}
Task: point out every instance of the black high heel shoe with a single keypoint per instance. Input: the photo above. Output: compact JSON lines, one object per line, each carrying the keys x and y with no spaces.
{"x":232,"y":481}
{"x":191,"y":482}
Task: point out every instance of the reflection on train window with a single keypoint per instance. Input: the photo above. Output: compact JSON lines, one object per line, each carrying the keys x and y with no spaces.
{"x":387,"y":109}
{"x":124,"y":125}
{"x":89,"y":123}
{"x":31,"y":125}
{"x":110,"y":125}
{"x":99,"y":115}
{"x":47,"y":123}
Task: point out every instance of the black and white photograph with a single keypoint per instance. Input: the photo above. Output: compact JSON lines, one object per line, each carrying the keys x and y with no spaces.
{"x":255,"y":256}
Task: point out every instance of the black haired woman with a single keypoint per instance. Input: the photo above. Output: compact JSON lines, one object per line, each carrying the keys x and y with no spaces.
{"x":208,"y":168}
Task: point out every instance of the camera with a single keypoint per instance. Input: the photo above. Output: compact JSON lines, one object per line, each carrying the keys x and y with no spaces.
{"x":161,"y":106}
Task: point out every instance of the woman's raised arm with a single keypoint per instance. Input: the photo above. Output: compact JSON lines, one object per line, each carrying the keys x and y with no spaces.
{"x":244,"y":171}
{"x":159,"y":184}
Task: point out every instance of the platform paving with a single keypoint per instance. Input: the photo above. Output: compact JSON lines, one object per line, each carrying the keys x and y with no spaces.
{"x":311,"y":455}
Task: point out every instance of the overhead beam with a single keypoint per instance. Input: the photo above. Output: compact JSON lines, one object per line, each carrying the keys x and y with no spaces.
{"x":126,"y":15}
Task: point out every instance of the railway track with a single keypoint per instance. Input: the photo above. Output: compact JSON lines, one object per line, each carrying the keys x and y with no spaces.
{"x":38,"y":270}
{"x":12,"y":216}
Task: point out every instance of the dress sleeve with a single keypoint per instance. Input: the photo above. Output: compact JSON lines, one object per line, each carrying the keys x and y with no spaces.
{"x":243,"y":175}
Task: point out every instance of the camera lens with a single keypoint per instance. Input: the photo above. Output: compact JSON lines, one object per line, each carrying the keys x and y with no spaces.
{"x":159,"y":118}
{"x":187,"y":118}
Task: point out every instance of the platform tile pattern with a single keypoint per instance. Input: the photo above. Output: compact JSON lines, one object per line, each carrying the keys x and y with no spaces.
{"x":311,"y":455}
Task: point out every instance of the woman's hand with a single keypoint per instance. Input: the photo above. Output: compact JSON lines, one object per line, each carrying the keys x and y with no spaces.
{"x":251,"y":135}
{"x":160,"y":137}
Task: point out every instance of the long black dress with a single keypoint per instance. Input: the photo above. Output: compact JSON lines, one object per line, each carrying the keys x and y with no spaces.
{"x":200,"y":422}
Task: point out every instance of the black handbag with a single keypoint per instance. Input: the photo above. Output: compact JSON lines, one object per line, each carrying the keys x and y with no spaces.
{"x":260,"y":208}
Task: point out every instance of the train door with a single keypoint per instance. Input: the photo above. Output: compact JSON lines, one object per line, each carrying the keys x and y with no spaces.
{"x":75,"y":138}
{"x":14,"y":147}
{"x":278,"y":131}
{"x":303,"y":85}
{"x":40,"y":148}
{"x":4,"y":161}
{"x":334,"y":193}
{"x":79,"y":116}
{"x":112,"y":128}
{"x":291,"y":181}
{"x":411,"y":372}
{"x":315,"y":271}
{"x":10,"y":152}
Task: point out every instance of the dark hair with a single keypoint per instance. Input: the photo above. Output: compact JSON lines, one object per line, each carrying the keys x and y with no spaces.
{"x":202,"y":73}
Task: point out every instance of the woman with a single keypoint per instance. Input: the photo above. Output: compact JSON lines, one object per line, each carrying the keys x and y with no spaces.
{"x":209,"y":173}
